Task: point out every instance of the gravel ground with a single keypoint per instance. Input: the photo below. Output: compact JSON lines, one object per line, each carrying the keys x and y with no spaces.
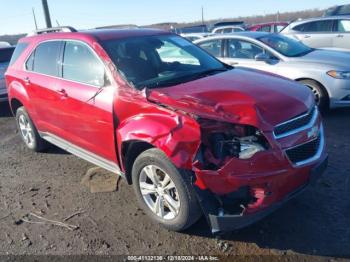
{"x":315,"y":223}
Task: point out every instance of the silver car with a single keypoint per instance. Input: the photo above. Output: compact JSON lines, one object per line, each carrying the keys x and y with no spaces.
{"x":5,"y":57}
{"x":325,"y":32}
{"x":325,"y":72}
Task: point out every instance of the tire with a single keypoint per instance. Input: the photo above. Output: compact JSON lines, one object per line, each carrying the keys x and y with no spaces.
{"x":28,"y":131}
{"x":184,"y":209}
{"x":321,"y":96}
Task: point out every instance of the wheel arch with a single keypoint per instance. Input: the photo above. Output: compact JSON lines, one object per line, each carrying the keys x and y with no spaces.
{"x":15,"y":104}
{"x":130,"y":150}
{"x":178,"y":137}
{"x":316,"y":81}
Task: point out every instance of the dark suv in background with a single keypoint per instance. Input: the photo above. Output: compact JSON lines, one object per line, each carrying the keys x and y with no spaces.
{"x":338,"y":10}
{"x":5,"y":57}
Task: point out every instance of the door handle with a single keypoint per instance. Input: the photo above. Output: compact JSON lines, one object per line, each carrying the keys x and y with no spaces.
{"x":62,"y":92}
{"x":340,"y":35}
{"x":26,"y":80}
{"x":307,"y":36}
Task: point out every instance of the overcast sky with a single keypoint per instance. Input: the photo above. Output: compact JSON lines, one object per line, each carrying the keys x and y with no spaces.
{"x":16,"y":15}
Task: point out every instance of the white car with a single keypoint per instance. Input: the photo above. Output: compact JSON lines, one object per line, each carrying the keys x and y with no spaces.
{"x":4,"y":44}
{"x":325,"y":72}
{"x":227,"y":29}
{"x":326,"y":32}
{"x":195,"y":36}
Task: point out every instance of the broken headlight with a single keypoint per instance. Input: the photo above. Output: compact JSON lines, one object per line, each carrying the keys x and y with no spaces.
{"x":222,"y":141}
{"x":240,"y":147}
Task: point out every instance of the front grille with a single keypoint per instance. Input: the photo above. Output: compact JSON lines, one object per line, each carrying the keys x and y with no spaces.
{"x":295,"y":123}
{"x":304,"y":151}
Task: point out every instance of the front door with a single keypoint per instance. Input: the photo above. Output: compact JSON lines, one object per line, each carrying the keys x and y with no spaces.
{"x":242,"y":53}
{"x":87,"y":120}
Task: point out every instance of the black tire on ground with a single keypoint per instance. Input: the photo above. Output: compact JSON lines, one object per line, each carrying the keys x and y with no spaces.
{"x":189,"y":211}
{"x":37,"y":144}
{"x":321,"y":96}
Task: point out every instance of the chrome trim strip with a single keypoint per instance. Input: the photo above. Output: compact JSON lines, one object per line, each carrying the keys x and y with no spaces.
{"x":316,"y":156}
{"x":294,"y":131}
{"x":82,"y":153}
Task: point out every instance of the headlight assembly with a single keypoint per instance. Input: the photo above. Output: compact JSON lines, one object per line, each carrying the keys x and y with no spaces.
{"x":339,"y":74}
{"x":222,"y":141}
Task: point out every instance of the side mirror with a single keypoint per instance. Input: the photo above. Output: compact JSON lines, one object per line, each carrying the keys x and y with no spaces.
{"x":262,"y":57}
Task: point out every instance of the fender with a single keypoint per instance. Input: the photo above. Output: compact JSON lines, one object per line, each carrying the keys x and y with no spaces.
{"x":17,"y":91}
{"x":177,"y":135}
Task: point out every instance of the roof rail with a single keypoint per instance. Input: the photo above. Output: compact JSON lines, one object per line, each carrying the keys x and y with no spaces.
{"x":53,"y":30}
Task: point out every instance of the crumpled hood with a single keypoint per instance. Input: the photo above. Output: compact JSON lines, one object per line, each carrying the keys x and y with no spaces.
{"x":242,"y":96}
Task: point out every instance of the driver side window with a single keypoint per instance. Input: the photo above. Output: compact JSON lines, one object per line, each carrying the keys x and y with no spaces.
{"x":213,"y":47}
{"x":81,"y":65}
{"x":243,"y":49}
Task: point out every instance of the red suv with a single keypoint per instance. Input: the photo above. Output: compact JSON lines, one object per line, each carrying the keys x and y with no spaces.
{"x":194,"y":136}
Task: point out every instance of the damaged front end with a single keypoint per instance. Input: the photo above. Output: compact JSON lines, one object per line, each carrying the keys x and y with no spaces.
{"x":242,"y":172}
{"x":241,"y":176}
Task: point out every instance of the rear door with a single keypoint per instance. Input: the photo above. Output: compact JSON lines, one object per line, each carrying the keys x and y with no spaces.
{"x":87,"y":101}
{"x":40,"y":80}
{"x":342,"y":34}
{"x":316,"y":34}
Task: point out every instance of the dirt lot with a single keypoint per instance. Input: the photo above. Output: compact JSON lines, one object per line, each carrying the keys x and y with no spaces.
{"x":315,"y":223}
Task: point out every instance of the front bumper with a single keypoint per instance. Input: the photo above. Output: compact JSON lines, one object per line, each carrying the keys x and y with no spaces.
{"x":221,"y":222}
{"x":339,"y":92}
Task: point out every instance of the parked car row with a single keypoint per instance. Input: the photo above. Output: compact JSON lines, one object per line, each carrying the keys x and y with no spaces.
{"x":193,"y":135}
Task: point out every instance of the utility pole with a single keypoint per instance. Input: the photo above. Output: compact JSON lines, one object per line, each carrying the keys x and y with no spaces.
{"x":46,"y":13}
{"x":202,"y":15}
{"x":36,"y":25}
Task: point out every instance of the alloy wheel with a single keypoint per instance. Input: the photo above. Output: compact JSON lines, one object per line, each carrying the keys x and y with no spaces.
{"x":26,"y":130}
{"x":159,"y":192}
{"x":316,"y":93}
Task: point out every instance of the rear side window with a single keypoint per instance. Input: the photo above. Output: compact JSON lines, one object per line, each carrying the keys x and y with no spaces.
{"x":344,"y":26}
{"x":45,"y":58}
{"x":18,"y":51}
{"x":80,"y":64}
{"x":316,"y":26}
{"x":6,"y":54}
{"x":213,"y":47}
{"x":265,"y":28}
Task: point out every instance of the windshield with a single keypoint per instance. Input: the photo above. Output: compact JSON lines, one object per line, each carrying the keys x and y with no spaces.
{"x":159,"y":61}
{"x":285,"y":45}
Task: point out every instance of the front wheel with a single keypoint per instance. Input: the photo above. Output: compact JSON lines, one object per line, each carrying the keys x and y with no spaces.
{"x":321,"y":96}
{"x":164,"y":192}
